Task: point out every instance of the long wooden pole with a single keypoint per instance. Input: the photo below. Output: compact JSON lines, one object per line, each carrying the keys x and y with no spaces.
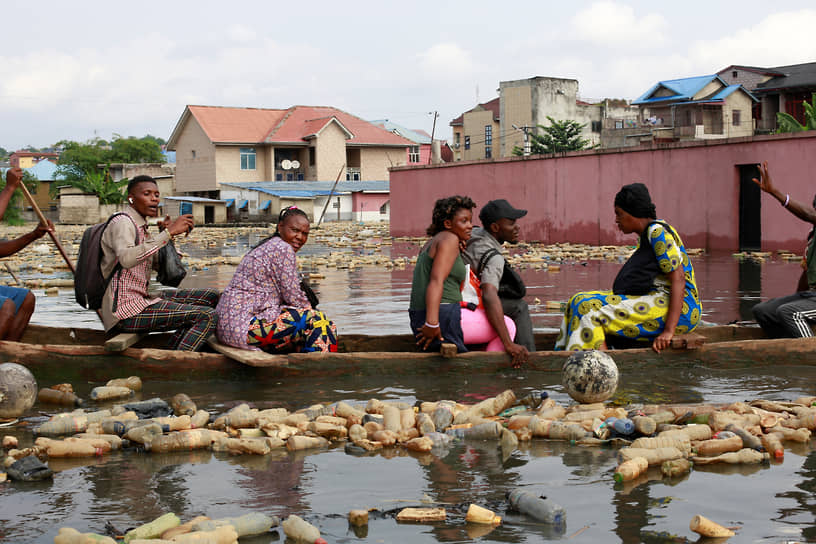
{"x":328,"y":199}
{"x":44,"y":221}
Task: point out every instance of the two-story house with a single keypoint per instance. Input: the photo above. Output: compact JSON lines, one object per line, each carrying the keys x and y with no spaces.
{"x":701,"y":107}
{"x":216,"y":145}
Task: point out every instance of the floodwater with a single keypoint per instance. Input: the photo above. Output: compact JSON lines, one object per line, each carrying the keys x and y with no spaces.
{"x":767,"y":503}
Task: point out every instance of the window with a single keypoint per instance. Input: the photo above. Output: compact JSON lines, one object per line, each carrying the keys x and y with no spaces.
{"x":456,"y":140}
{"x":300,"y":176}
{"x":488,"y":135}
{"x":596,"y":126}
{"x":618,"y":123}
{"x":278,"y":176}
{"x":290,"y":176}
{"x":312,"y":151}
{"x":413,"y":153}
{"x":247,"y":158}
{"x":467,"y":142}
{"x":734,"y":74}
{"x":735,"y":117}
{"x":193,"y":151}
{"x":384,"y":209}
{"x":488,"y":152}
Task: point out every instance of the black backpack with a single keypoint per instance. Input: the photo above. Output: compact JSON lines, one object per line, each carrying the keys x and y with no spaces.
{"x":89,"y":283}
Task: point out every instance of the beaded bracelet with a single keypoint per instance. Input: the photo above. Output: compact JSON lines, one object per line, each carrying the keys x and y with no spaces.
{"x":431,"y":326}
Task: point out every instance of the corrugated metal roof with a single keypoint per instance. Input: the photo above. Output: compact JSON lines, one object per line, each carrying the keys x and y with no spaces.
{"x":230,"y":202}
{"x":45,"y":171}
{"x":683,"y":89}
{"x":243,"y":204}
{"x":795,"y":76}
{"x":265,"y":205}
{"x":319,"y":186}
{"x":192,"y":199}
{"x":412,"y":135}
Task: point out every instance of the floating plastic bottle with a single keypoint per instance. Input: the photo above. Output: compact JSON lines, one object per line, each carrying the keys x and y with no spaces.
{"x":73,"y":447}
{"x":144,"y":434}
{"x":442,"y":416}
{"x":537,"y":507}
{"x":54,"y":396}
{"x":745,"y":456}
{"x":183,"y":405}
{"x":300,"y":530}
{"x":794,"y":435}
{"x":675,"y":467}
{"x":131,"y":382}
{"x":154,"y":529}
{"x":298,"y":442}
{"x":707,"y":528}
{"x":748,"y":440}
{"x":63,"y":425}
{"x":478,"y":514}
{"x":654,"y":456}
{"x":489,"y":430}
{"x":69,"y":535}
{"x":622,"y":426}
{"x":644,"y":425}
{"x":533,"y":399}
{"x":716,"y":446}
{"x":391,"y":418}
{"x":425,"y":424}
{"x":109,"y":392}
{"x":631,"y":469}
{"x":773,"y":445}
{"x":254,"y":523}
{"x":184,"y":440}
{"x":682,"y":443}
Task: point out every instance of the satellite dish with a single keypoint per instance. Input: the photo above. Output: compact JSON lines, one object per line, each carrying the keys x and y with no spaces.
{"x":295,"y":165}
{"x":286,"y":164}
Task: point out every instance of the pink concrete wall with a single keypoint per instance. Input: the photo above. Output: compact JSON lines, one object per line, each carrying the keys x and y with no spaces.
{"x":368,"y":202}
{"x":695,"y":186}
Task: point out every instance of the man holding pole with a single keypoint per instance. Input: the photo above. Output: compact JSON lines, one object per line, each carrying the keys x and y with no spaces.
{"x":16,"y":304}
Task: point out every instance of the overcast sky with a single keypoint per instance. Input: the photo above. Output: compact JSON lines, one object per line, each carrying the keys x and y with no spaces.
{"x":78,"y":70}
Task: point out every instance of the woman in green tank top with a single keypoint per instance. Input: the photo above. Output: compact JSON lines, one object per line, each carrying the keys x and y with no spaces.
{"x":435,"y":311}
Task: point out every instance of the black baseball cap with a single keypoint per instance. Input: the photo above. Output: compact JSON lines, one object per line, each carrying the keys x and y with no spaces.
{"x":498,"y":209}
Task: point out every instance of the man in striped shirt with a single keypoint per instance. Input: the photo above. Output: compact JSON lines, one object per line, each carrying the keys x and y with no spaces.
{"x":127,"y":306}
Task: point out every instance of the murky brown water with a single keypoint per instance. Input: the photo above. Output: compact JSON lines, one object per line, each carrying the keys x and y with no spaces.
{"x":771,"y":503}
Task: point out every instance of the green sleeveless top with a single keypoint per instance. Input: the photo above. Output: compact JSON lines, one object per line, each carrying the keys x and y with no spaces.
{"x":451,"y":288}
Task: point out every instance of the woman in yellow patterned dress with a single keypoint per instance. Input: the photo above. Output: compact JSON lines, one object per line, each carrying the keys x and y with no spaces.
{"x":654,"y":295}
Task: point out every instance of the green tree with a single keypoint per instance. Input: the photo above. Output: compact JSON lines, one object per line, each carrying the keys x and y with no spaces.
{"x":14,"y":210}
{"x":85,"y":165}
{"x":785,"y":122}
{"x":4,"y":153}
{"x":560,"y":136}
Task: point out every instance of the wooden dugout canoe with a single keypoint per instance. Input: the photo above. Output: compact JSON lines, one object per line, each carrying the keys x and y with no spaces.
{"x":65,"y":354}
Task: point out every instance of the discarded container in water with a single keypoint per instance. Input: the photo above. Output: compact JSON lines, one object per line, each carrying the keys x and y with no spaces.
{"x":425,"y":424}
{"x":149,"y":408}
{"x":200,"y":419}
{"x":301,"y":530}
{"x":745,"y":456}
{"x":532,"y":400}
{"x":654,"y":456}
{"x":298,"y":442}
{"x":442,"y":416}
{"x":18,"y":390}
{"x":489,"y":430}
{"x":675,"y":467}
{"x":254,"y":523}
{"x":110,"y":392}
{"x":748,"y":440}
{"x":644,"y":425}
{"x":708,"y":528}
{"x":773,"y":445}
{"x":478,"y":514}
{"x":155,"y":528}
{"x":536,"y":507}
{"x":29,"y":469}
{"x":69,"y":535}
{"x":717,"y":446}
{"x":183,"y":405}
{"x":631,"y":469}
{"x":623,"y":426}
{"x":54,"y":396}
{"x":131,"y":382}
{"x":184,"y":440}
{"x":63,"y":425}
{"x":144,"y":434}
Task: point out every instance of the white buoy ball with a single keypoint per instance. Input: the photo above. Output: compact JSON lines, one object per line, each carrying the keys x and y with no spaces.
{"x":590,"y":376}
{"x":18,"y":390}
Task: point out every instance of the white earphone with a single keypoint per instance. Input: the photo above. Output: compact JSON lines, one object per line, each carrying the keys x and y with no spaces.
{"x":130,"y":200}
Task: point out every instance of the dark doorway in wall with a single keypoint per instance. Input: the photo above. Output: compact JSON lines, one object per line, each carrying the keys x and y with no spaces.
{"x":209,"y":214}
{"x":750,"y":205}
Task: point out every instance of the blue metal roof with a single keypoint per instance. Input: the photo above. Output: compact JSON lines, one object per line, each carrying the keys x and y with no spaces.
{"x":400,"y":130}
{"x":265,"y":205}
{"x":45,"y":171}
{"x":243,"y":204}
{"x":230,"y":202}
{"x":683,"y":89}
{"x":315,"y":187}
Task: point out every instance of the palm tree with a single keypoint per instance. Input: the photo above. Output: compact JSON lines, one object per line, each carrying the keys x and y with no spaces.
{"x":787,"y":123}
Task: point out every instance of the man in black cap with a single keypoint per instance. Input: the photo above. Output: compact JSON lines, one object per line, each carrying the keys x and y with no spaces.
{"x":502,"y":289}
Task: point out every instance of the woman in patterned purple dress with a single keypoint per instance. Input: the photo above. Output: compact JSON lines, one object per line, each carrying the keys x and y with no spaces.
{"x":264,"y":306}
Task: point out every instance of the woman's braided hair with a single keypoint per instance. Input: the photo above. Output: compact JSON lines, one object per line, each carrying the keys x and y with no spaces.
{"x":286,"y":213}
{"x":445,"y":209}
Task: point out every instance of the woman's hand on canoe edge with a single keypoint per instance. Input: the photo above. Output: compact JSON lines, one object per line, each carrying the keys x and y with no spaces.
{"x":663,"y":341}
{"x":427,"y":335}
{"x":518,"y":354}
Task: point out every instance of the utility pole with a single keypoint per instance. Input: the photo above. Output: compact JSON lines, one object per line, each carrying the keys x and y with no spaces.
{"x":526,"y":130}
{"x":433,"y":131}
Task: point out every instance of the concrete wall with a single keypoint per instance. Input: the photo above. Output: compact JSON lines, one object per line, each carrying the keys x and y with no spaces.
{"x":195,"y":173}
{"x":695,"y":186}
{"x":330,"y":146}
{"x":375,"y":162}
{"x":367,"y":206}
{"x":474,"y":123}
{"x":228,"y":164}
{"x":77,"y":208}
{"x":515,"y":108}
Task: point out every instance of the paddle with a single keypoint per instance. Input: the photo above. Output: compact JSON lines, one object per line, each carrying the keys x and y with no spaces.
{"x":53,"y":235}
{"x":44,"y":221}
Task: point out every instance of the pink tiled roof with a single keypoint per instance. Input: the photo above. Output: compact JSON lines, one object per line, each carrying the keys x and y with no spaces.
{"x":235,"y":125}
{"x":292,"y":125}
{"x":303,"y":121}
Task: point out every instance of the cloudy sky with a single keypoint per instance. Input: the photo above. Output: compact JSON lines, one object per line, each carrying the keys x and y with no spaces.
{"x":78,"y":70}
